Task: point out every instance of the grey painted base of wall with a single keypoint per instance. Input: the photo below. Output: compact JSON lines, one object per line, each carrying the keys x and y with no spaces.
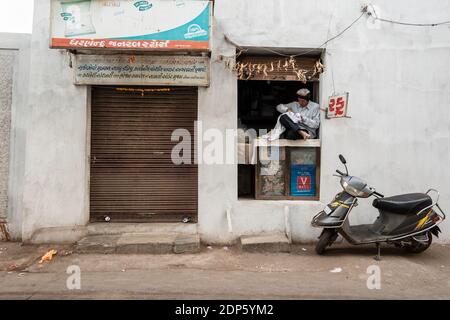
{"x":62,"y":235}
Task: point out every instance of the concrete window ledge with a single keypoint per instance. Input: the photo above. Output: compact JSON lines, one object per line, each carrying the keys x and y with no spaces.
{"x":247,"y":151}
{"x":246,"y":201}
{"x":288,"y":143}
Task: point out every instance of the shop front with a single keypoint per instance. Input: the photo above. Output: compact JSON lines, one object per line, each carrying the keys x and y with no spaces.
{"x":143,"y":80}
{"x":124,"y":81}
{"x":125,"y":89}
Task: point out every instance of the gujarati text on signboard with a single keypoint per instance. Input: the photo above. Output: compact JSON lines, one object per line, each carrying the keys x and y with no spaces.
{"x":141,"y":70}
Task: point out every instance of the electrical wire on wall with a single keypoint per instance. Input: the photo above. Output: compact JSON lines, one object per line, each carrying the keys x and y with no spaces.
{"x":327,"y":52}
{"x":373,"y":14}
{"x":245,"y":71}
{"x":366,"y":10}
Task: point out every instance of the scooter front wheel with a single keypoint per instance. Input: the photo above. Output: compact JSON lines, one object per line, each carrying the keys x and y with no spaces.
{"x":326,"y":239}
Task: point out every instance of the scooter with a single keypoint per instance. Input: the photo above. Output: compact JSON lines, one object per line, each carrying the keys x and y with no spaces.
{"x":407,"y":221}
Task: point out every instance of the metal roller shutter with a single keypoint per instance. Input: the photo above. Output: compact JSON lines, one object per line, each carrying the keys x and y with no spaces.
{"x":132,"y":174}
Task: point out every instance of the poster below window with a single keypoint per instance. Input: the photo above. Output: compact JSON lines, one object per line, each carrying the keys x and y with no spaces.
{"x":272,"y":178}
{"x":337,"y":106}
{"x":303,"y":156}
{"x":272,"y":153}
{"x":303,"y":180}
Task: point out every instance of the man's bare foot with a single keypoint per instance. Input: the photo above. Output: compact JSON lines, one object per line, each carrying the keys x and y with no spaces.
{"x":304,"y":134}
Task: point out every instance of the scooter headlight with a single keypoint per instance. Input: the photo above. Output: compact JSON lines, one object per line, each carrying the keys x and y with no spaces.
{"x":352,"y":190}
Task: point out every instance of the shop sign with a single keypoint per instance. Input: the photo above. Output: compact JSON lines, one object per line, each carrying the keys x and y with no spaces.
{"x":337,"y":106}
{"x":130,"y":24}
{"x":141,"y":70}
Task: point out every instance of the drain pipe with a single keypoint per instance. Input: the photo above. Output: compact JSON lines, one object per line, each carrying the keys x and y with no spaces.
{"x":287,"y":225}
{"x":230,"y":225}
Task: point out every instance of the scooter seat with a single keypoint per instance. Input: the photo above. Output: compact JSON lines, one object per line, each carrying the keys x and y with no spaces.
{"x":403,"y":203}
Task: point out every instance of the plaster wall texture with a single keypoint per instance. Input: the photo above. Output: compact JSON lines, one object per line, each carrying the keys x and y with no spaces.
{"x":7,"y":58}
{"x":397,"y":138}
{"x":14,"y":65}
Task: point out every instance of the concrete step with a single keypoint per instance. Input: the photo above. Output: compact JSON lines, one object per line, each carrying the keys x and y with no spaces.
{"x":101,"y":228}
{"x":136,"y":243}
{"x":272,"y":243}
{"x":97,"y":244}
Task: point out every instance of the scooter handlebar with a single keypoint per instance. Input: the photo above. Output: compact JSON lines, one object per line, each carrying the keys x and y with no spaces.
{"x":378,"y":194}
{"x":341,"y":173}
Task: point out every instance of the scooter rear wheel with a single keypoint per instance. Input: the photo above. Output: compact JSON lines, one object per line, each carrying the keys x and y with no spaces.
{"x":418,"y":247}
{"x":326,"y":238}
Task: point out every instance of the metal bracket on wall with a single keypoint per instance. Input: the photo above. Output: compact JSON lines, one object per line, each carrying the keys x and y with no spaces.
{"x":325,"y":110}
{"x":230,"y":224}
{"x":4,"y":234}
{"x":287,"y":225}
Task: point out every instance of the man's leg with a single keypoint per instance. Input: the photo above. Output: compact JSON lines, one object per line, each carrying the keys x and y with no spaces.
{"x":292,"y":135}
{"x":288,"y":123}
{"x":291,"y":128}
{"x":304,"y":134}
{"x":293,"y":132}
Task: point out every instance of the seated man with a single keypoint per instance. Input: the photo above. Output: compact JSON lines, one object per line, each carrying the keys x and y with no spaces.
{"x":301,"y":118}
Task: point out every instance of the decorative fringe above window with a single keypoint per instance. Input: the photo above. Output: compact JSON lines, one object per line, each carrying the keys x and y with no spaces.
{"x":273,"y":68}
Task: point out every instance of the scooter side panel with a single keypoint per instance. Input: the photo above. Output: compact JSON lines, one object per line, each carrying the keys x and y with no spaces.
{"x":336,"y":212}
{"x":392,"y":224}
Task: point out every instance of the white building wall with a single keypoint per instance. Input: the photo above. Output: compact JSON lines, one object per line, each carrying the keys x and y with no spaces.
{"x":56,"y":171}
{"x":398,"y":77}
{"x":7,"y":59}
{"x":397,"y":139}
{"x":14,"y":67}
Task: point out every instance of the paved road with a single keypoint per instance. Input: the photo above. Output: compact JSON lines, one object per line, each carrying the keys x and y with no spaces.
{"x":218,"y":273}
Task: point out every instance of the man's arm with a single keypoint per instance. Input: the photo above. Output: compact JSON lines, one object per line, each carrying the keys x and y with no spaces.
{"x":314,"y":121}
{"x":283,"y":108}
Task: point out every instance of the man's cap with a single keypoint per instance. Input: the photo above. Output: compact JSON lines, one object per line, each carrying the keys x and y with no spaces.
{"x":303,"y":92}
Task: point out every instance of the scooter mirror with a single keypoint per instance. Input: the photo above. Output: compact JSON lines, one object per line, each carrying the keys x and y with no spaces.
{"x":341,"y":157}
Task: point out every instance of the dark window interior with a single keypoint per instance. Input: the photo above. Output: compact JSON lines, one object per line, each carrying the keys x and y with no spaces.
{"x":246,"y":179}
{"x":257,"y":101}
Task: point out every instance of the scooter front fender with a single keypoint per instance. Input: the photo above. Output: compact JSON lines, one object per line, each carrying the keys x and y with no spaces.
{"x":336,"y":212}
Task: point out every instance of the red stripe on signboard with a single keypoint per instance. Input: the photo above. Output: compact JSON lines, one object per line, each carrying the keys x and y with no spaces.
{"x":128,"y":44}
